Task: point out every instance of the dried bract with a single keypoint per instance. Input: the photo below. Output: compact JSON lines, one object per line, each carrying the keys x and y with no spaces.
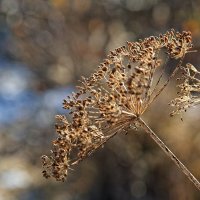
{"x":111,"y":99}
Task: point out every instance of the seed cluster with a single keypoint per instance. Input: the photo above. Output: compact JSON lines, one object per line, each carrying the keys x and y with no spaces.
{"x":110,"y":100}
{"x":189,"y":94}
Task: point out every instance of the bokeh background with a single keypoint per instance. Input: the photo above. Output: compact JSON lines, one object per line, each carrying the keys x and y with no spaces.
{"x":45,"y":47}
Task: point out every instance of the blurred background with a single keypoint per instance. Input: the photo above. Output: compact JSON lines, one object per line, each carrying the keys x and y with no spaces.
{"x":45,"y":47}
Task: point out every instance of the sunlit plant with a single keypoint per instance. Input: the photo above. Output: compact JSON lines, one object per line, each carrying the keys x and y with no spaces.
{"x":115,"y":97}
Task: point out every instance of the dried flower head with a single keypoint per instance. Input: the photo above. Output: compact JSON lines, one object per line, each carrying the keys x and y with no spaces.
{"x":189,"y":94}
{"x":112,"y":99}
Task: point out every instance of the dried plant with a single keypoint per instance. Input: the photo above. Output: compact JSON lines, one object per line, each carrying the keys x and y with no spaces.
{"x":113,"y":99}
{"x":189,"y":94}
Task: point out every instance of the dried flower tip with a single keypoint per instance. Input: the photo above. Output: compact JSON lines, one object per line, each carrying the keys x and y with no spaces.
{"x":189,"y":94}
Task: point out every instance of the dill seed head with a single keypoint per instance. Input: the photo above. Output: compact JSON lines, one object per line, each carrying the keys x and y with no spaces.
{"x":111,"y":99}
{"x":189,"y":94}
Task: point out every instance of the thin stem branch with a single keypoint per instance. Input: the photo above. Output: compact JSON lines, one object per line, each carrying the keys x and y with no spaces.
{"x":169,"y":153}
{"x":114,"y":131}
{"x":167,"y":81}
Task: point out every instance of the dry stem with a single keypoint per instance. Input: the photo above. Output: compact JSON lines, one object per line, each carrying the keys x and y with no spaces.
{"x":169,"y":153}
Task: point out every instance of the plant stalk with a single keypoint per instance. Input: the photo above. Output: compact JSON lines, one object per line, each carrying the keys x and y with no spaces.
{"x":169,"y":153}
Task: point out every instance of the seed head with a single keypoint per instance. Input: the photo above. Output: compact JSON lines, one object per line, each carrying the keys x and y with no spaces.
{"x":189,"y":94}
{"x":111,"y":99}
